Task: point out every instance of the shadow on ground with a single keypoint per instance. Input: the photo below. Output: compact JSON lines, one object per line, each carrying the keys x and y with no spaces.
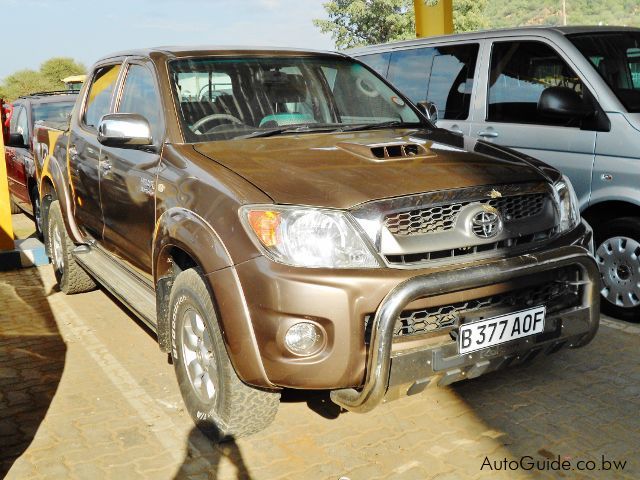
{"x":32,"y":356}
{"x":207,"y":458}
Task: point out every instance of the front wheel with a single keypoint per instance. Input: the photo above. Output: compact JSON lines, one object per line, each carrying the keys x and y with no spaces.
{"x":220,"y":404}
{"x":618,"y":257}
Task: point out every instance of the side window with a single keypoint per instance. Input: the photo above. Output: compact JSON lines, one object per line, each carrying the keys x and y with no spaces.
{"x":100,"y":92}
{"x":520,"y":72}
{"x":19,"y":123}
{"x":442,"y":75}
{"x":141,"y":96}
{"x":378,"y":61}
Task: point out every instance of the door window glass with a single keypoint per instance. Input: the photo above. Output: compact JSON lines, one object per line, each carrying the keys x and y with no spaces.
{"x":520,"y":72}
{"x":99,"y":98}
{"x":141,"y":96}
{"x":19,"y":123}
{"x":441,"y":75}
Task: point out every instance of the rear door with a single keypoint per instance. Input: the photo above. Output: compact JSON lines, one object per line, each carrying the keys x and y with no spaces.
{"x":128,"y":179}
{"x":84,"y":149}
{"x":515,"y":74}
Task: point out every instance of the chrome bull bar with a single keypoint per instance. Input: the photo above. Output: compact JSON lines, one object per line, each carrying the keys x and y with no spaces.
{"x":379,"y":359}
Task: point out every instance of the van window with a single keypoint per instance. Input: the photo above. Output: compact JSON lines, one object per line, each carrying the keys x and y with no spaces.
{"x":520,"y":72}
{"x":378,"y":61}
{"x":442,"y":75}
{"x":616,"y":57}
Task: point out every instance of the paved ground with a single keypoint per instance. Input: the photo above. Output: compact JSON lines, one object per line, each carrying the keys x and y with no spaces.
{"x":85,"y":393}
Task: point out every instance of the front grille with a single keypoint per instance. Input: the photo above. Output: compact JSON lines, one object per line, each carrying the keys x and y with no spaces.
{"x":415,"y":258}
{"x":438,"y":219}
{"x":555,"y":295}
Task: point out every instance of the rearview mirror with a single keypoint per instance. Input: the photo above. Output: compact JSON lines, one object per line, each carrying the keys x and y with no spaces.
{"x":430,"y":110}
{"x":16,"y":140}
{"x":124,"y":130}
{"x":563,"y":102}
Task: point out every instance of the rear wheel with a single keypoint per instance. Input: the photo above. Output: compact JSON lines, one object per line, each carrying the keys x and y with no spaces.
{"x":71,"y":277}
{"x":37,"y":211}
{"x":221,"y":405}
{"x":618,"y":257}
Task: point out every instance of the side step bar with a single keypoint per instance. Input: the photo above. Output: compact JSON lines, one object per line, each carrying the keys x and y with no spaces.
{"x":128,"y":287}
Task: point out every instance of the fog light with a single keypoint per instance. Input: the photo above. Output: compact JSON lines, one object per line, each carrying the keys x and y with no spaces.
{"x":303,"y":338}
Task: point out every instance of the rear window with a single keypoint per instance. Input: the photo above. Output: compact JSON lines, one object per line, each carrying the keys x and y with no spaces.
{"x":52,"y":112}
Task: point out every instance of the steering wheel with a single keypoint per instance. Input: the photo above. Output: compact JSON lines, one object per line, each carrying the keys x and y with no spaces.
{"x":215,"y":116}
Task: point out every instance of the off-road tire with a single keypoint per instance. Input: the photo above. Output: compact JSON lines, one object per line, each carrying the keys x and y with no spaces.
{"x":235,"y":409}
{"x":628,"y":227}
{"x":71,"y":276}
{"x":37,"y":211}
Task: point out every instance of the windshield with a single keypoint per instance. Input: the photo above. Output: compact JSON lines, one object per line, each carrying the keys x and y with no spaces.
{"x":616,"y":56}
{"x":52,"y":112}
{"x":223,"y":98}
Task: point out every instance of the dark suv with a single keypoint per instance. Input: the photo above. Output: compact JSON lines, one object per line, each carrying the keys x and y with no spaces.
{"x":50,"y":107}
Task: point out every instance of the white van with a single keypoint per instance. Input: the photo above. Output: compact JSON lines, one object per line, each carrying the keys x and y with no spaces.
{"x":569,"y":96}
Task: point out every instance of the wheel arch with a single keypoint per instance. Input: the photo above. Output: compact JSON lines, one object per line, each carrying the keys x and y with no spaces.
{"x":596,"y":213}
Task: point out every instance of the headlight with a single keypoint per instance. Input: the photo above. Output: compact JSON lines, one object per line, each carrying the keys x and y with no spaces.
{"x":567,"y":205}
{"x":308,"y":237}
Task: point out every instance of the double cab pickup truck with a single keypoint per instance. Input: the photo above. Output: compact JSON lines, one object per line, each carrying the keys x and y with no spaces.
{"x":22,"y":172}
{"x":286,"y":219}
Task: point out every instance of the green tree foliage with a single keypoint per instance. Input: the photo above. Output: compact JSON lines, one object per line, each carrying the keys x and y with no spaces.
{"x":364,"y":22}
{"x":49,"y":77}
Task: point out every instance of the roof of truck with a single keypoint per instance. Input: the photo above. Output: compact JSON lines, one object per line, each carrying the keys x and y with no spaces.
{"x":210,"y":50}
{"x":504,"y":32}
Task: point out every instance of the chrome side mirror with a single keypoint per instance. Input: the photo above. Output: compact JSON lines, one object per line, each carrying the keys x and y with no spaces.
{"x":430,"y":110}
{"x":124,"y":130}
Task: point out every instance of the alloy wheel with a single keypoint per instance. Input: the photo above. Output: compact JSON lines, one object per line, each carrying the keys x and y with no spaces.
{"x":198,"y":357}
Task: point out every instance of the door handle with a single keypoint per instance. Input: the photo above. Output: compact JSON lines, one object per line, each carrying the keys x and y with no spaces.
{"x":488,"y":133}
{"x":456,"y":129}
{"x":73,"y":152}
{"x":105,"y":167}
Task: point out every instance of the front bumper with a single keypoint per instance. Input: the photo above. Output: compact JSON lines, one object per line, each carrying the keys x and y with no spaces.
{"x":574,"y":327}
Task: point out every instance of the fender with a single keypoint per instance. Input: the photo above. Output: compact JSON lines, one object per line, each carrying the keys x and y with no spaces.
{"x":186,"y":230}
{"x":54,"y":174}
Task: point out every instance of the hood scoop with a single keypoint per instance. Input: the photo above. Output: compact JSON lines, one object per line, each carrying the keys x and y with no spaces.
{"x":387,"y":151}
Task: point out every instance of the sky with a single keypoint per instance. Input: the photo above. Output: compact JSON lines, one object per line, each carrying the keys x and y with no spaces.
{"x":36,"y":30}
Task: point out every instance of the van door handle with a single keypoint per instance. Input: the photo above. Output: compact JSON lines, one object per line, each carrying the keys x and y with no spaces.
{"x":456,"y":129}
{"x":488,"y":133}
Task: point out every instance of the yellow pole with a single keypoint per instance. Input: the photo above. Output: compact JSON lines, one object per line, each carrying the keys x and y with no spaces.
{"x":6,"y":227}
{"x":433,"y":17}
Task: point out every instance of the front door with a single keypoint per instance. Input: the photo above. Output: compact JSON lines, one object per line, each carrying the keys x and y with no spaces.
{"x":128,"y":179}
{"x":519,"y":72}
{"x":84,"y":151}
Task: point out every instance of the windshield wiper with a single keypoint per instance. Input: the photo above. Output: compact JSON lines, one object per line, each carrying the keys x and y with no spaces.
{"x":374,"y":126}
{"x":288,"y":129}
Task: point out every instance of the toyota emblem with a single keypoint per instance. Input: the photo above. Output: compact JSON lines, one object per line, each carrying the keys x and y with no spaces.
{"x":487,"y":223}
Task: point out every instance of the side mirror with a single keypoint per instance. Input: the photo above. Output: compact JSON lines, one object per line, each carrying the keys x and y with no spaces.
{"x":430,"y":110}
{"x":562,"y":102}
{"x":16,"y":140}
{"x":124,"y":130}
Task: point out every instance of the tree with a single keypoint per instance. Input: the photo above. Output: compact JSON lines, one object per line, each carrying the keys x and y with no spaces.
{"x":49,"y":77}
{"x":354,"y":23}
{"x":55,"y":69}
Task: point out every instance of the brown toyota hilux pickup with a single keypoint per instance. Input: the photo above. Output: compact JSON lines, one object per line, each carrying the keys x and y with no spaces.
{"x":286,"y":219}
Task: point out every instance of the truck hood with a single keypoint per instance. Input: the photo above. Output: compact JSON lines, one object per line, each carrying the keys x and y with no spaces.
{"x":341,"y":170}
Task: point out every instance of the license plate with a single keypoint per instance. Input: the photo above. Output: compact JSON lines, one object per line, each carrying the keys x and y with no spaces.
{"x":493,"y":331}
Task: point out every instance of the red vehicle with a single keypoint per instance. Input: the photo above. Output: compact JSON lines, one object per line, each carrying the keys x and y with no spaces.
{"x":49,"y":107}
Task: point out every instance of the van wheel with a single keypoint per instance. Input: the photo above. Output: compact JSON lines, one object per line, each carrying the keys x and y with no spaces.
{"x":219,"y":403}
{"x":618,"y":257}
{"x":71,"y":277}
{"x":14,"y":208}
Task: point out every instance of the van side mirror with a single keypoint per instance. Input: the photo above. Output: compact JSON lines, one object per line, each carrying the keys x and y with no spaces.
{"x":429,"y":109}
{"x":563,"y":102}
{"x":124,"y":130}
{"x":16,"y":140}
